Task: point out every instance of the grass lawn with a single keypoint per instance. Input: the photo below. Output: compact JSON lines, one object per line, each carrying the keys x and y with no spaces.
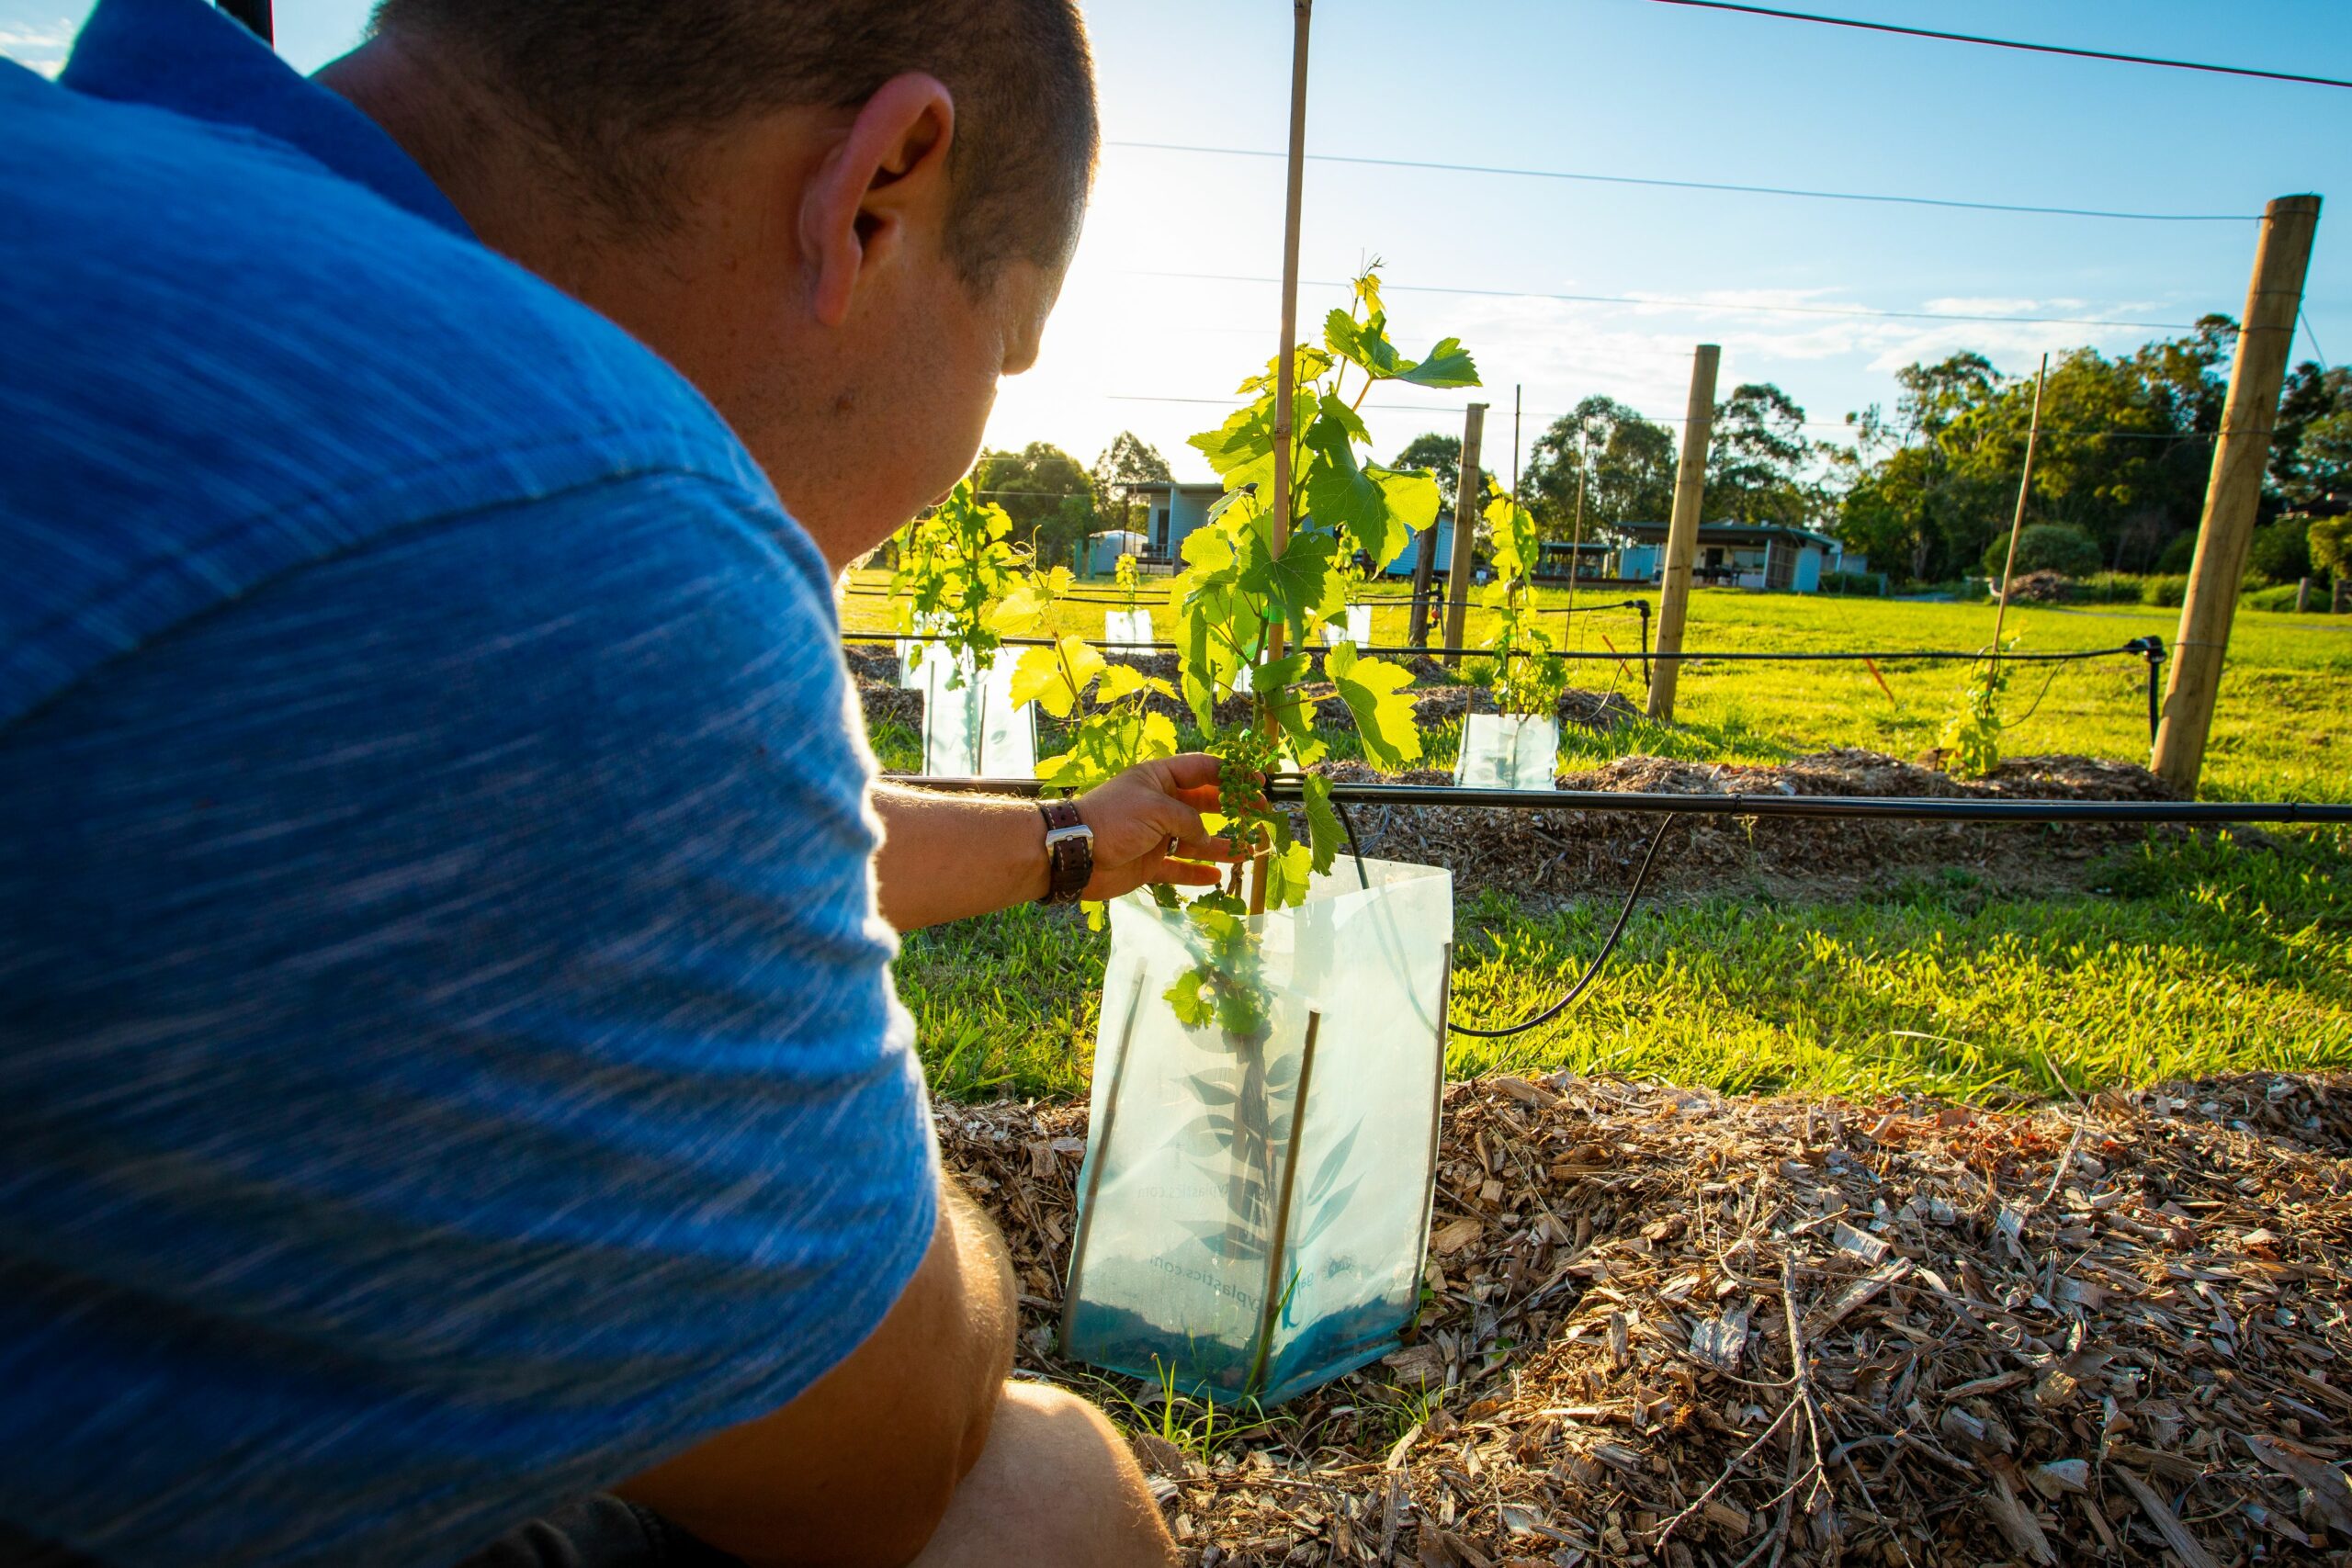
{"x":2182,"y":958}
{"x":2284,"y":731}
{"x":2197,"y":957}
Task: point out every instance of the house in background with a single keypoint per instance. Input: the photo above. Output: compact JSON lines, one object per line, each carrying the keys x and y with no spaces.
{"x":1770,"y":556}
{"x":1172,"y":510}
{"x":1103,"y":551}
{"x":1403,"y":564}
{"x":1175,"y":508}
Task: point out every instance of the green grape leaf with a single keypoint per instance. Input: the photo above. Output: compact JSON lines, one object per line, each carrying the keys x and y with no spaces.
{"x":1287,"y":871}
{"x":1302,"y":582}
{"x":1159,"y":737}
{"x":1372,"y":688}
{"x":1323,"y":833}
{"x":1038,"y":678}
{"x":1122,"y":681}
{"x":1448,"y":365}
{"x":1192,"y":997}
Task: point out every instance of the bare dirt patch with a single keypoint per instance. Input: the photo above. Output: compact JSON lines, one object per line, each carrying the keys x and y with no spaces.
{"x":1670,"y":1327}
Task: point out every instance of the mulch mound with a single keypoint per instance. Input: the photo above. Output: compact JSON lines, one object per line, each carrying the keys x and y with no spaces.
{"x":1548,"y":857}
{"x":1670,"y":1327}
{"x":1564,"y":854}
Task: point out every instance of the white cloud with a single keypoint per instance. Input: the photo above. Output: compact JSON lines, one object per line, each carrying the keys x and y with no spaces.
{"x":42,"y":46}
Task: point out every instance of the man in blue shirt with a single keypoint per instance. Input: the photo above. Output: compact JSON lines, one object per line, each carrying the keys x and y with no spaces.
{"x":449,"y":1065}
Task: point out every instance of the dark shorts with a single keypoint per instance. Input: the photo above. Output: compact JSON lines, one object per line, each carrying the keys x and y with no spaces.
{"x":600,"y":1531}
{"x":593,"y":1532}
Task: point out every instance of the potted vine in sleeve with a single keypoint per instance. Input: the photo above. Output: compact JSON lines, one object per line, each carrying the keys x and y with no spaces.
{"x":1255,"y":1197}
{"x":1518,"y":747}
{"x":965,"y":588}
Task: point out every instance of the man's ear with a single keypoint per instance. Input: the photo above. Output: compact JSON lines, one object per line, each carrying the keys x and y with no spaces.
{"x":885,"y":179}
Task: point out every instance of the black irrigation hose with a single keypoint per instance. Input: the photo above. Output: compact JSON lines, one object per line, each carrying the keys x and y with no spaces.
{"x":1899,"y":808}
{"x":2139,"y":647}
{"x":1641,"y":879}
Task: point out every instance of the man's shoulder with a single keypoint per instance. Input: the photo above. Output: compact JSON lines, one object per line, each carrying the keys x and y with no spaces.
{"x":220,"y":362}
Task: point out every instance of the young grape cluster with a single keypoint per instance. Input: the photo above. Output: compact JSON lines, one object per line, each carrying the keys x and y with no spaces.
{"x":1245,"y":759}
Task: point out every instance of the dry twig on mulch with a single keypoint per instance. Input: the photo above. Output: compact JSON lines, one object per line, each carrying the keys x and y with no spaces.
{"x":1671,"y":1327}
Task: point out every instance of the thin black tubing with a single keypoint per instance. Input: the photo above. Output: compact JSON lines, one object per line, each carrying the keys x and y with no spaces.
{"x":2137,"y":646}
{"x":2155,"y":653}
{"x":1899,"y":808}
{"x":1633,"y":896}
{"x":1161,"y":602}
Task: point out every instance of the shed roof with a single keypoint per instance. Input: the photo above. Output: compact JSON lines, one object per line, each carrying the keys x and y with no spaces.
{"x":1731,"y":534}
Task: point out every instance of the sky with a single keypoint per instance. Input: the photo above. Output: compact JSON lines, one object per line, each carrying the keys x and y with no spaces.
{"x":1641,"y":89}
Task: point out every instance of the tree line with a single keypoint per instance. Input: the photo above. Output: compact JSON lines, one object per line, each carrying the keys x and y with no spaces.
{"x":1925,"y":490}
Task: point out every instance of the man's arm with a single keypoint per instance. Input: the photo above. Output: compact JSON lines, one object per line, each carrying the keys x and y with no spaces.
{"x":860,"y":1469}
{"x":948,"y":857}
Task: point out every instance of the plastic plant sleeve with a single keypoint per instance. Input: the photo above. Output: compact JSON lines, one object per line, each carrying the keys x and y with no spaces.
{"x":1357,"y":628}
{"x":914,"y":656}
{"x":1255,"y":1202}
{"x":1126,"y":631}
{"x":1505,"y":751}
{"x":970,"y":726}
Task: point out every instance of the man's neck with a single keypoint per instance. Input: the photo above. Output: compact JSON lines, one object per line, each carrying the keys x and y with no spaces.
{"x":479,"y":154}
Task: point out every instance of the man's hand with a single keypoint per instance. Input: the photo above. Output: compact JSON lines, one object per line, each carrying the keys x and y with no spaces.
{"x":1147,"y":828}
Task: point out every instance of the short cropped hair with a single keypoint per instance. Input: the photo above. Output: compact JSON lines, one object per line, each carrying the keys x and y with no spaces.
{"x":621,"y":86}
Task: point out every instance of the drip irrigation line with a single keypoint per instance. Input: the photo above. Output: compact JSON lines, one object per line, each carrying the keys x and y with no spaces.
{"x":1608,"y":946}
{"x":1387,"y":287}
{"x":2139,"y":647}
{"x":1876,"y":198}
{"x":1899,"y":808}
{"x":2020,"y":44}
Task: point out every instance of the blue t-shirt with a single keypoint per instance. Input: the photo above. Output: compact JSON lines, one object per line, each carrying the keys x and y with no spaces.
{"x":447,"y":1053}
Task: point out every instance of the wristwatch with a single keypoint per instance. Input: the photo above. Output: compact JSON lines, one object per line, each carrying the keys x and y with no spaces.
{"x":1070,"y":851}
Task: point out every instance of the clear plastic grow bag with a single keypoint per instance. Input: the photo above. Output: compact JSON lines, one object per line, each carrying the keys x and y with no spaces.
{"x":1126,"y":631}
{"x":1355,"y":628}
{"x":970,"y":726}
{"x":1255,"y":1200}
{"x":915,"y":653}
{"x":1505,"y":751}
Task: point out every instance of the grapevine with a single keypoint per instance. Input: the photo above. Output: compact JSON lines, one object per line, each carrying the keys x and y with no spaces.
{"x":1527,"y":681}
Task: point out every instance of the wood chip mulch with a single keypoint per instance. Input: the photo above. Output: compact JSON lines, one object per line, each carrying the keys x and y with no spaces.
{"x":1670,"y":1327}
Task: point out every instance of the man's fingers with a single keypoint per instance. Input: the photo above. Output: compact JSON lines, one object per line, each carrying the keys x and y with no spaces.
{"x":1189,"y":771}
{"x":1186,"y":873}
{"x":1202,"y":847}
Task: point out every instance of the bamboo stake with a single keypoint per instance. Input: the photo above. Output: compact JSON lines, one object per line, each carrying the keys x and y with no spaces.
{"x":1286,"y":362}
{"x":1682,"y":531}
{"x":2234,"y":494}
{"x":2025,"y":487}
{"x":1465,"y":530}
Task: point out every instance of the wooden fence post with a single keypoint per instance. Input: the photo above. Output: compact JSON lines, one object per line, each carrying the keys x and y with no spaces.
{"x":1682,"y":532}
{"x":2302,"y":595}
{"x":2234,"y":494}
{"x":1468,"y":492}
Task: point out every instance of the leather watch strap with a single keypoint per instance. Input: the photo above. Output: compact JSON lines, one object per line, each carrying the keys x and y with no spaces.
{"x":1070,"y":851}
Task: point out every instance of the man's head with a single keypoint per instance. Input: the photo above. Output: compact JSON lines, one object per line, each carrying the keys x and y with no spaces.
{"x":843,"y":220}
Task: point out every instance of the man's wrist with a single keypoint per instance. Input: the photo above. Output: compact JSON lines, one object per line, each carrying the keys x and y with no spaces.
{"x":1069,"y":850}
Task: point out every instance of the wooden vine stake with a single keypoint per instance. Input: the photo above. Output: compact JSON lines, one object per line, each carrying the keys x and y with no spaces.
{"x":2025,"y":487}
{"x":1287,"y":360}
{"x":1682,"y":531}
{"x":2234,"y":494}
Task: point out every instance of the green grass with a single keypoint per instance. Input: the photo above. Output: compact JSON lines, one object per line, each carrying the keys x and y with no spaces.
{"x":2199,"y":956}
{"x":2284,"y":728}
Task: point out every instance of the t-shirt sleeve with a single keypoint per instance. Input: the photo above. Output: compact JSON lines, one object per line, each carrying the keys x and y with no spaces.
{"x":448,"y":1058}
